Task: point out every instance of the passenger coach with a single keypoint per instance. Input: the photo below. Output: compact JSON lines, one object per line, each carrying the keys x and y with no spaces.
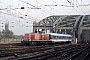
{"x":55,"y":37}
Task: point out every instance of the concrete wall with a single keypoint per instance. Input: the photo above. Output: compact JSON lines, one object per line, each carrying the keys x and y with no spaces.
{"x":10,"y":41}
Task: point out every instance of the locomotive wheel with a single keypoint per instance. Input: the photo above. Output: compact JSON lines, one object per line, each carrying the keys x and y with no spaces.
{"x":33,"y":43}
{"x":47,"y":43}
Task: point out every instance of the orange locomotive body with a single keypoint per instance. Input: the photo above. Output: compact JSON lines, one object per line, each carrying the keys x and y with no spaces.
{"x":27,"y":36}
{"x":45,"y":37}
{"x":36,"y":38}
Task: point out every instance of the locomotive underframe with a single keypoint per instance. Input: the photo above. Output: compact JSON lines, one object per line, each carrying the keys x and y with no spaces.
{"x":36,"y":42}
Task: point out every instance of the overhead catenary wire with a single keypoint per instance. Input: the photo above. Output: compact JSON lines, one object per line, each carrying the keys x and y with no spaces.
{"x":34,"y":7}
{"x":73,"y":7}
{"x":61,"y":5}
{"x":46,"y":12}
{"x":80,"y":9}
{"x":41,"y":9}
{"x":85,"y":6}
{"x":77,"y":6}
{"x":17,"y":8}
{"x":14,"y":20}
{"x":49,"y":6}
{"x":43,"y":6}
{"x":7,"y":8}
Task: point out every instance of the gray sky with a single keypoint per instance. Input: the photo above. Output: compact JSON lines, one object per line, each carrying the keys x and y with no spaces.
{"x":18,"y":21}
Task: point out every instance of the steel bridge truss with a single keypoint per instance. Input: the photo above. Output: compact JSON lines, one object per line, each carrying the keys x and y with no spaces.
{"x":76,"y":25}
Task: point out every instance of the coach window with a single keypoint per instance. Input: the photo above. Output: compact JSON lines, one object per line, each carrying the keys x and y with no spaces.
{"x":51,"y":36}
{"x":57,"y":37}
{"x":60,"y":37}
{"x":67,"y":37}
{"x":64,"y":37}
{"x":54,"y":37}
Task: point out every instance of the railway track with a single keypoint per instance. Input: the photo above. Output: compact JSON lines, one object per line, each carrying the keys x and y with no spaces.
{"x":50,"y":52}
{"x":54,"y":53}
{"x":12,"y":50}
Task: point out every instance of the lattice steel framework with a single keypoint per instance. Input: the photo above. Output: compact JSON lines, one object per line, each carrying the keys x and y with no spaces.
{"x":76,"y":25}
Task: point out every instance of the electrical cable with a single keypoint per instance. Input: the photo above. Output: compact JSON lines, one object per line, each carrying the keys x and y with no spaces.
{"x":49,"y":6}
{"x":46,"y":12}
{"x":73,"y":7}
{"x":18,"y":8}
{"x":3,"y":12}
{"x":57,"y":4}
{"x":15,"y":20}
{"x":85,"y":6}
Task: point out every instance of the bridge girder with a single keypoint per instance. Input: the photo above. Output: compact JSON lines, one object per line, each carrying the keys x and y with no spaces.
{"x":72,"y":24}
